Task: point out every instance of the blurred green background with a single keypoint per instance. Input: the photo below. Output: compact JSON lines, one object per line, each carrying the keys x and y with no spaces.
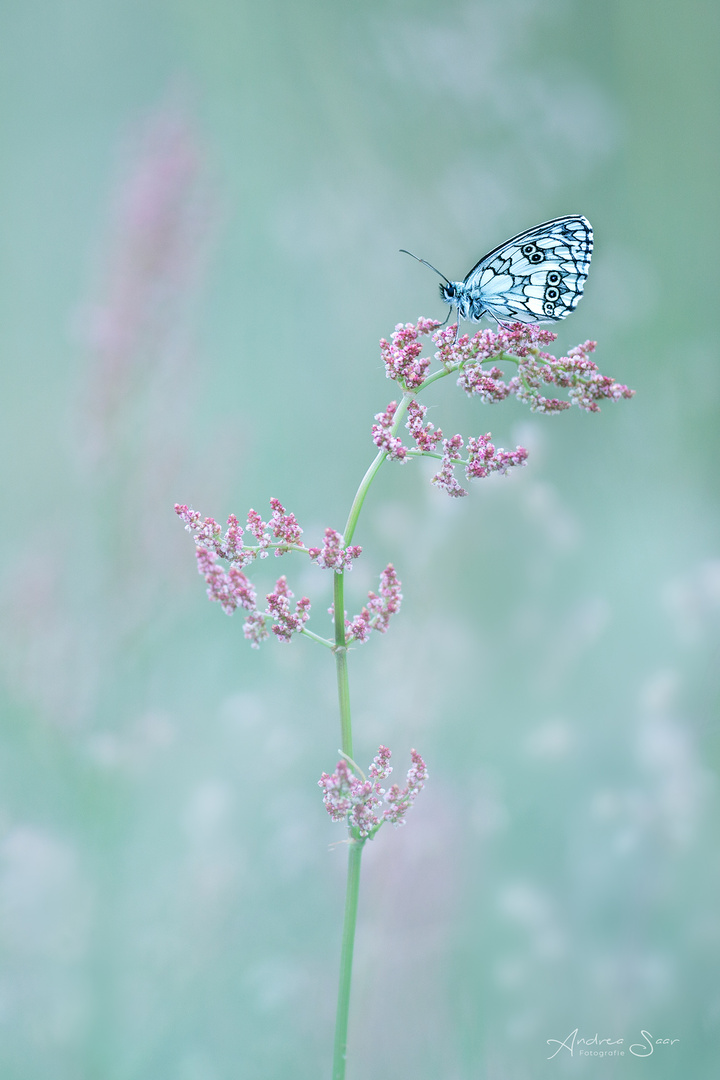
{"x":202,"y":207}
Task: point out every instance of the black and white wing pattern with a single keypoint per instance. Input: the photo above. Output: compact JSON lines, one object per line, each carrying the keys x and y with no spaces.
{"x":537,"y":276}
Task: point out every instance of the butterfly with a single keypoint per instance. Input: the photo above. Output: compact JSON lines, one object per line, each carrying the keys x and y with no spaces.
{"x":536,"y":276}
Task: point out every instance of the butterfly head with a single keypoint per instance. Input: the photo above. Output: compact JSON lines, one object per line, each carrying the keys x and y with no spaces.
{"x":458,"y":296}
{"x":449,"y":292}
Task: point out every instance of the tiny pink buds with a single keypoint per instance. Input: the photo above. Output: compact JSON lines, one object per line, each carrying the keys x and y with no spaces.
{"x":487,"y":385}
{"x":575,"y":372}
{"x":255,"y":629}
{"x":399,"y":802}
{"x":391,"y":444}
{"x":466,"y":356}
{"x":519,"y":343}
{"x":380,"y":767}
{"x":233,"y":538}
{"x":426,"y":437}
{"x":376,"y":614}
{"x":284,"y":526}
{"x":231,"y":589}
{"x":445,"y":479}
{"x":338,"y":790}
{"x":402,"y":356}
{"x":278,"y":602}
{"x":518,"y":339}
{"x":350,"y":797}
{"x":257,"y":527}
{"x":483,"y":458}
{"x":332,"y":555}
{"x":282,"y":532}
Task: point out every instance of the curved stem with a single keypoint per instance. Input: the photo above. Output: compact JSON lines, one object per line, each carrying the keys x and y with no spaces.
{"x":360,"y":497}
{"x":373,"y":470}
{"x":371,"y":473}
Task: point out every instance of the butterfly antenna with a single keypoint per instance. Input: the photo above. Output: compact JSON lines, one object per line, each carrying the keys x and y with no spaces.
{"x":425,"y":263}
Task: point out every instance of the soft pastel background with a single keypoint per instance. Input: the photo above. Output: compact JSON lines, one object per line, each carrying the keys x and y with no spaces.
{"x":202,"y":206}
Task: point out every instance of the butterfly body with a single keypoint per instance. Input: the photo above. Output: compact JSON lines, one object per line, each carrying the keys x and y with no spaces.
{"x":536,"y":276}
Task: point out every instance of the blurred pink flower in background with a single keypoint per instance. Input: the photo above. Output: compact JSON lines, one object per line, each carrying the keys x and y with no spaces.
{"x":66,"y":622}
{"x":155,"y":256}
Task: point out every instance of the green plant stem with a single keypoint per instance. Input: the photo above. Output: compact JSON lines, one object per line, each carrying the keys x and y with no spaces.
{"x":341,"y":664}
{"x":316,"y":637}
{"x":346,"y":958}
{"x":355,"y":850}
{"x":400,"y":412}
{"x":340,"y":650}
{"x":372,"y":473}
{"x":360,"y":496}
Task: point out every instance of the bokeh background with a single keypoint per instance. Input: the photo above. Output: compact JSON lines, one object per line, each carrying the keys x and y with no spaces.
{"x":202,"y":206}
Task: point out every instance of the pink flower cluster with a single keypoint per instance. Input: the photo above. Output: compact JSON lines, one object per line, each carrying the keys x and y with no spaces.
{"x":426,"y":437}
{"x":575,"y":373}
{"x":518,"y":339}
{"x":347,"y":796}
{"x":399,"y":799}
{"x":255,"y":629}
{"x":482,"y":459}
{"x":487,"y":385}
{"x":378,"y":610}
{"x":278,"y":602}
{"x":232,"y":590}
{"x":332,"y":555}
{"x":391,"y":444}
{"x":156,"y":258}
{"x":401,"y":355}
{"x":281,"y":532}
{"x":278,"y":608}
{"x":445,"y":479}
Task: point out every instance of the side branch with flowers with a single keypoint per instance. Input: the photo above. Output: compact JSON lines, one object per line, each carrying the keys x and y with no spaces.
{"x":348,"y":794}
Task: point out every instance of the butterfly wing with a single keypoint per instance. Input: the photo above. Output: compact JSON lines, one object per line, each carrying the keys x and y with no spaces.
{"x":537,"y":276}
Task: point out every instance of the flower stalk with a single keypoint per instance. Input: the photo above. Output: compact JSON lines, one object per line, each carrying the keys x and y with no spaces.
{"x":342,"y":1017}
{"x":348,"y":794}
{"x":341,"y":665}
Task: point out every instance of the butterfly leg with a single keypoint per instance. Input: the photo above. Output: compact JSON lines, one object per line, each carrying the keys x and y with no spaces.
{"x":446,"y":320}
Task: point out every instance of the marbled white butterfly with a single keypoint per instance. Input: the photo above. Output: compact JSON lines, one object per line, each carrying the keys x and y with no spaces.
{"x":537,"y":276}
